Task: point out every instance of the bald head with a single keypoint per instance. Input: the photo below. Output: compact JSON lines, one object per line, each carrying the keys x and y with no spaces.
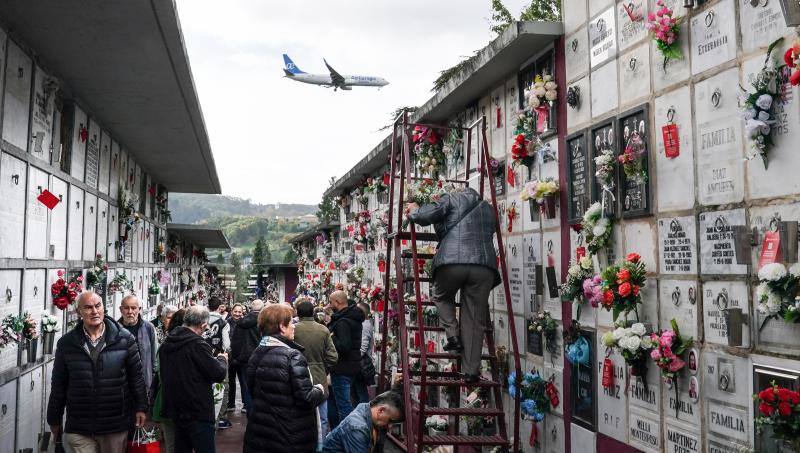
{"x":338,"y":300}
{"x":90,"y":309}
{"x":257,"y":305}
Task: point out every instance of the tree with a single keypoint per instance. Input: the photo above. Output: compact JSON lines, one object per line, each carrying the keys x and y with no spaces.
{"x":328,"y":210}
{"x":290,"y":256}
{"x":538,"y":10}
{"x":239,"y":275}
{"x":267,"y":254}
{"x":501,"y":17}
{"x":259,"y":253}
{"x":220,"y":258}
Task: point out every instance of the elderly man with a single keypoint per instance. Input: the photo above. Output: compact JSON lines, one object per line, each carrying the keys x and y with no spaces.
{"x":145,"y":334}
{"x":188,"y":371}
{"x":361,"y":430}
{"x":465,"y":261}
{"x":345,"y":326}
{"x":97,"y":378}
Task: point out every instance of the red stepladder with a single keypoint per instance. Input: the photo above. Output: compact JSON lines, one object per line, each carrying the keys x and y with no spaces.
{"x":414,"y":437}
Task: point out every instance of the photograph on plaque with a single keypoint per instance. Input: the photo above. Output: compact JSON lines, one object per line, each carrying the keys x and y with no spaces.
{"x":582,"y":393}
{"x":499,"y":174}
{"x":578,"y":177}
{"x":534,"y":340}
{"x":602,"y":139}
{"x":633,"y":130}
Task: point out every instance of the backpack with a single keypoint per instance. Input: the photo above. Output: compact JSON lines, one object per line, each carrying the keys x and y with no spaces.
{"x":213,"y":335}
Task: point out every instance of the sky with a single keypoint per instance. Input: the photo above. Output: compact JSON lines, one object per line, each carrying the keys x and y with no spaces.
{"x":275,"y":140}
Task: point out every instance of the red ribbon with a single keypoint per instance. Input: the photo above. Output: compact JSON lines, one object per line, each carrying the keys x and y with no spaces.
{"x":608,"y":373}
{"x":534,"y":435}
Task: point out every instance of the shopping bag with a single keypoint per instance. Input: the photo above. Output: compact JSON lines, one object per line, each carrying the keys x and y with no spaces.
{"x":144,"y":441}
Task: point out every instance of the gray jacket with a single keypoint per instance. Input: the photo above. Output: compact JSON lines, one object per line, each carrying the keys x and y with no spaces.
{"x":367,"y":336}
{"x":465,"y":225}
{"x":148,"y":351}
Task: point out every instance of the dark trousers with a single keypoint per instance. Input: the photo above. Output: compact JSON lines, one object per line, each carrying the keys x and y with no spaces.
{"x":234,"y":372}
{"x":475,"y":283}
{"x":194,"y":435}
{"x":359,"y":391}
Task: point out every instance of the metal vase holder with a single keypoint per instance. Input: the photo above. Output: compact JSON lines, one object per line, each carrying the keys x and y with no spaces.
{"x":48,"y":339}
{"x":30,"y":347}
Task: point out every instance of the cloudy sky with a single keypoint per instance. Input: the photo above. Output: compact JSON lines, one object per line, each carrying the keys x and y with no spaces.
{"x":275,"y":140}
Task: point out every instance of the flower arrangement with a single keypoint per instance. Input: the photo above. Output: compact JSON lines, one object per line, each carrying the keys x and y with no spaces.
{"x":632,"y":158}
{"x":355,"y":274}
{"x":426,"y":191}
{"x":664,"y":27}
{"x":512,"y":214}
{"x":572,"y":288}
{"x":154,"y":289}
{"x":544,"y":90}
{"x":668,"y":348}
{"x":428,"y":150}
{"x":97,"y":273}
{"x":538,"y":190}
{"x":634,"y":344}
{"x":65,"y":293}
{"x":758,"y":109}
{"x":593,"y":290}
{"x":164,"y":277}
{"x":49,"y":323}
{"x":596,"y":228}
{"x":378,"y":185}
{"x":538,"y":396}
{"x":777,"y":292}
{"x":605,"y":166}
{"x":622,"y":285}
{"x":526,"y":142}
{"x":29,"y":327}
{"x":779,"y":408}
{"x":437,"y":422}
{"x":544,"y":324}
{"x":120,"y":282}
{"x":9,"y":333}
{"x":792,"y":60}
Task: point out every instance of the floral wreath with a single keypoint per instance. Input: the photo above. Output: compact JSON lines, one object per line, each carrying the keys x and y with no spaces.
{"x":429,"y":150}
{"x":596,"y":228}
{"x":622,"y":285}
{"x":538,"y":395}
{"x":758,"y":109}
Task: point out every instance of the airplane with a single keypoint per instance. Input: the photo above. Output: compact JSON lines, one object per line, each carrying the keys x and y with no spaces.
{"x":334,"y":79}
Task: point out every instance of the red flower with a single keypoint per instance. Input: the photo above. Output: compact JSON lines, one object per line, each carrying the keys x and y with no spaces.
{"x":794,"y":79}
{"x":623,"y":276}
{"x":633,"y":257}
{"x":788,"y":57}
{"x":608,"y":298}
{"x":784,"y":409}
{"x":386,"y":178}
{"x":794,"y":398}
{"x":766,"y":409}
{"x":768,"y":395}
{"x":783,"y":394}
{"x":635,"y":290}
{"x":520,"y":139}
{"x":624,"y":289}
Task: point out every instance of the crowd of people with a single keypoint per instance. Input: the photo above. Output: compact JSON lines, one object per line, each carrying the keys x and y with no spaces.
{"x":303,"y":375}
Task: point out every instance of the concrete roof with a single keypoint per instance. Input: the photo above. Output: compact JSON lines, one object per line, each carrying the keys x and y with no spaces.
{"x":126,"y":63}
{"x":200,"y":235}
{"x":495,"y":62}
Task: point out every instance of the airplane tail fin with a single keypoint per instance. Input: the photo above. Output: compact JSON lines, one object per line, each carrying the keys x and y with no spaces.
{"x":290,"y":69}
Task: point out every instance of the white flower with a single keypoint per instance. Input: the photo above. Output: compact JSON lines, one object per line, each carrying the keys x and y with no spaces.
{"x":547,"y":78}
{"x":762,"y":308}
{"x":632,"y":343}
{"x":608,"y":339}
{"x":551,"y":95}
{"x":772,"y":272}
{"x":638,"y":329}
{"x":753,"y":128}
{"x":550,"y":86}
{"x":748,"y":114}
{"x":600,"y":228}
{"x":647,"y":343}
{"x":593,"y":210}
{"x":618,"y":333}
{"x":539,"y":91}
{"x":764,"y":102}
{"x":763,"y":116}
{"x":762,"y":291}
{"x":575,"y":270}
{"x":534,"y":102}
{"x":795,"y":269}
{"x":586,"y":262}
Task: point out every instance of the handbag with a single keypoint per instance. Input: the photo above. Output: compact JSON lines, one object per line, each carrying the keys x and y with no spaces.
{"x":144,"y":441}
{"x":368,"y":369}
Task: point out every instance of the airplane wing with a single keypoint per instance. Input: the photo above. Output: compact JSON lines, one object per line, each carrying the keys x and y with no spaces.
{"x":336,"y":78}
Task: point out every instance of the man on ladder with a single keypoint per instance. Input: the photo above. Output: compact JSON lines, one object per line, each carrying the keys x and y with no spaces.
{"x":465,"y":261}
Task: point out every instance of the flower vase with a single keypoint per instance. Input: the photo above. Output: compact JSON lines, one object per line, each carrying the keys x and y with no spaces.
{"x":31,"y":347}
{"x":436,"y":432}
{"x":534,"y":210}
{"x":48,"y":339}
{"x":549,"y":207}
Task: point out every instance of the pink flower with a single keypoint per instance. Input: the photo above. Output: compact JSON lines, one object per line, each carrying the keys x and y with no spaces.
{"x":667,"y":338}
{"x":651,"y":17}
{"x":676,"y":365}
{"x":655,"y":354}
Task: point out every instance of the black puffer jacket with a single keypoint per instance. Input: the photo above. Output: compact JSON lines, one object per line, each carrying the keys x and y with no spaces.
{"x":283,"y":415}
{"x":102,"y":398}
{"x":187,"y":371}
{"x":345,"y":326}
{"x":244,"y":339}
{"x":465,"y":226}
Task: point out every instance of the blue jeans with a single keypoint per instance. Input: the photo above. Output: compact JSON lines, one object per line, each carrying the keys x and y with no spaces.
{"x":323,"y":422}
{"x":237,"y":372}
{"x":341,"y":390}
{"x":194,"y":435}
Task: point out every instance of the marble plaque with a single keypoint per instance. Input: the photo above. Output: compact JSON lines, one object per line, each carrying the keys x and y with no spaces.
{"x":634,"y":74}
{"x":719,"y":139}
{"x":576,"y":54}
{"x":647,"y":311}
{"x":677,"y":245}
{"x":762,"y":219}
{"x":105,"y":162}
{"x":17,"y":103}
{"x":646,"y":397}
{"x":532,"y":256}
{"x":514,"y":215}
{"x":606,"y":97}
{"x":497,"y":122}
{"x":667,"y":72}
{"x":675,"y":175}
{"x":114,"y":170}
{"x":581,"y":439}
{"x":679,"y":301}
{"x":102,"y":227}
{"x":93,"y":154}
{"x":602,"y":38}
{"x":726,"y":446}
{"x":713,"y":36}
{"x":552,"y":256}
{"x":631,"y":17}
{"x":717,"y":248}
{"x":582,"y":113}
{"x":729,"y":422}
{"x":42,"y":116}
{"x":58,"y":220}
{"x":579,"y":177}
{"x":531,"y":217}
{"x":780,"y":177}
{"x":557,"y":377}
{"x":644,"y":431}
{"x":685,"y":403}
{"x":514,"y":258}
{"x":75,"y":226}
{"x":554,"y":434}
{"x":13,"y":176}
{"x":726,"y":378}
{"x":596,"y":6}
{"x":761,"y":24}
{"x":612,"y":403}
{"x":576,"y":16}
{"x":601,"y":138}
{"x":678,"y":439}
{"x":634,"y":197}
{"x":36,"y":227}
{"x":640,"y":238}
{"x":89,"y":227}
{"x":717,"y":296}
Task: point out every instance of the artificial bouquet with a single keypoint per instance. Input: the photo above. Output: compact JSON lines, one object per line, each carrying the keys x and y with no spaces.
{"x":164,"y":277}
{"x":538,"y":396}
{"x":355,"y":274}
{"x":777,"y":292}
{"x":779,"y":408}
{"x":540,"y":97}
{"x":596,"y":228}
{"x":526,"y":141}
{"x":378,"y":185}
{"x":632,"y":158}
{"x":539,"y":190}
{"x":154,"y":289}
{"x":427,"y":191}
{"x":97,"y":273}
{"x":792,"y":60}
{"x":65,"y":293}
{"x":634,"y":343}
{"x":759,"y":107}
{"x":429,"y":150}
{"x":120,"y":282}
{"x":437,"y":423}
{"x":622,"y":285}
{"x":29,"y":329}
{"x":668,"y":348}
{"x":664,"y":27}
{"x":49,"y":324}
{"x":572,"y":288}
{"x":9,"y":333}
{"x":545,"y":325}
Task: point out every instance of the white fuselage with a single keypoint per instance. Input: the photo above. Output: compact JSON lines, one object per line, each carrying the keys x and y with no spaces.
{"x":324,"y":79}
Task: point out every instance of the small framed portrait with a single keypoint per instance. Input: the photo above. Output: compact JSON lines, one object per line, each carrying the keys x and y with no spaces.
{"x":694,"y":389}
{"x":692,"y":362}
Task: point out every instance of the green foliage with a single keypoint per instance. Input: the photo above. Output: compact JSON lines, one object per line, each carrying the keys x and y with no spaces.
{"x":220,"y":258}
{"x":327,"y":209}
{"x":290,"y":256}
{"x":259,"y":252}
{"x":542,"y":10}
{"x":501,"y":17}
{"x":199,"y":208}
{"x":449,"y":73}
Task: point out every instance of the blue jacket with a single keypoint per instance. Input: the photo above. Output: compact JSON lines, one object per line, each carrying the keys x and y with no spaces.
{"x":353,"y":435}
